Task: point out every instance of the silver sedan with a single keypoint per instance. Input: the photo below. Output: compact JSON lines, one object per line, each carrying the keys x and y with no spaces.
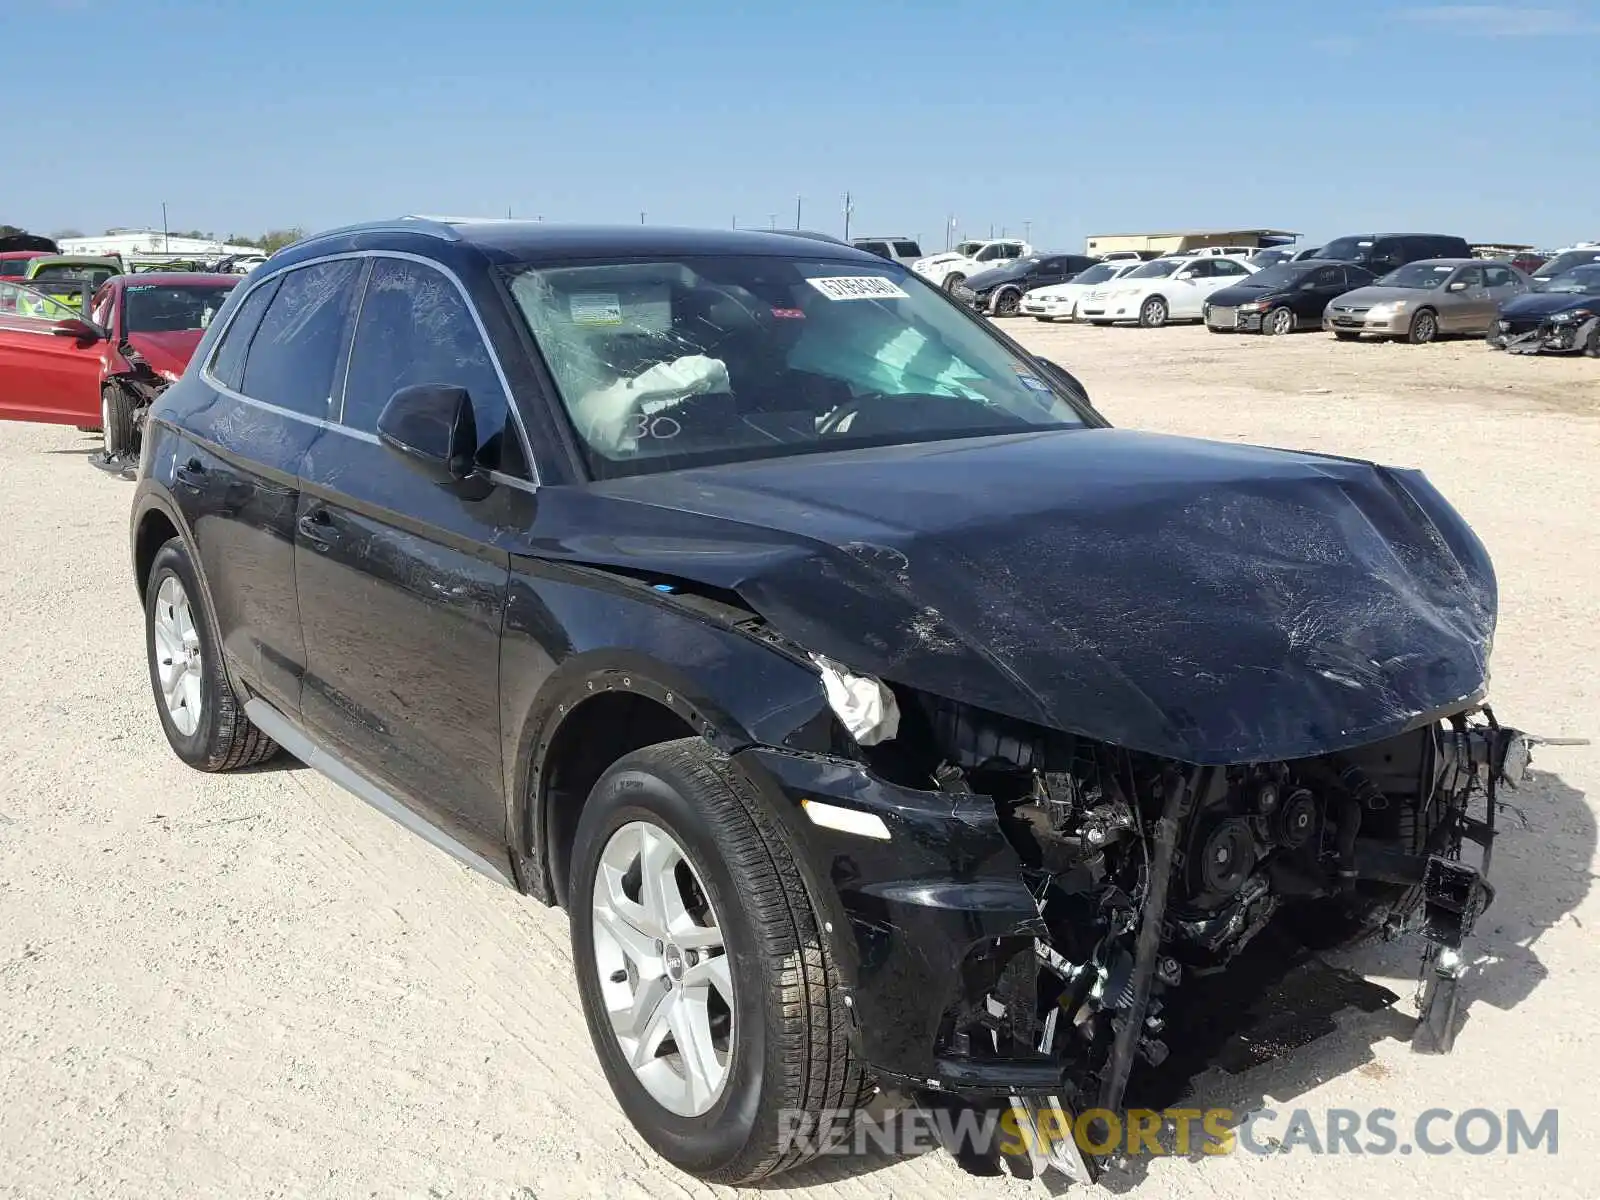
{"x":1423,"y":301}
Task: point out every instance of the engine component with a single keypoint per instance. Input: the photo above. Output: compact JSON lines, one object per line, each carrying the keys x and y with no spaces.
{"x":1226,"y":856}
{"x":1295,"y":820}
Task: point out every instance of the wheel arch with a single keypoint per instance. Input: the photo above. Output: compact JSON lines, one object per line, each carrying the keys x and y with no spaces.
{"x":599,"y":706}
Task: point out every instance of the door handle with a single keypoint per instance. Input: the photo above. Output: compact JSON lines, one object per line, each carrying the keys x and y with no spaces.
{"x":317,"y":528}
{"x":191,"y":475}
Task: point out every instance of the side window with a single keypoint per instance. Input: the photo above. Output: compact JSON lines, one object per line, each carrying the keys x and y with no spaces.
{"x":1227,"y":266}
{"x":227,"y":363}
{"x":908,"y":249}
{"x":415,"y":327}
{"x":1329,"y":277}
{"x":1199,"y":268}
{"x":1471,"y":276}
{"x":1499,"y":277}
{"x":297,"y":345}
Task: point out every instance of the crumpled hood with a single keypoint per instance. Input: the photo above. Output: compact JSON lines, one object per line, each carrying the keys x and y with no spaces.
{"x":167,"y":351}
{"x":1542,"y":304}
{"x":983,"y":280}
{"x":1207,"y":602}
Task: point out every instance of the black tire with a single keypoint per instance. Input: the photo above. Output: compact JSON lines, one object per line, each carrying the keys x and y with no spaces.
{"x":953,"y":280}
{"x":117,"y":425}
{"x":792,"y":1049}
{"x":224,"y":739}
{"x":1424,"y":328}
{"x":1153,"y":312}
{"x":1346,"y":337}
{"x":1007,"y":302}
{"x":1592,"y":349}
{"x":1279,"y":321}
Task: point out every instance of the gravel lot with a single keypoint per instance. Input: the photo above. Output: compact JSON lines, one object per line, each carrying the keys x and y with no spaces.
{"x":254,"y":985}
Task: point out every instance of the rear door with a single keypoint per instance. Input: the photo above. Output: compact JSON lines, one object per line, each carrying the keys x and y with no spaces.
{"x":1313,"y":295}
{"x":268,"y":389}
{"x":1501,"y":284}
{"x":46,"y":375}
{"x":402,"y":583}
{"x":1190,"y":285}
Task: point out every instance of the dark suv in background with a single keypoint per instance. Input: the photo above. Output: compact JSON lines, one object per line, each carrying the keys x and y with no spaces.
{"x":1383,"y":252}
{"x":815,"y":646}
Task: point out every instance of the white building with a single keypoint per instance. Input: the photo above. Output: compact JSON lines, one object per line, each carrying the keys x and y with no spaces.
{"x":139,"y":242}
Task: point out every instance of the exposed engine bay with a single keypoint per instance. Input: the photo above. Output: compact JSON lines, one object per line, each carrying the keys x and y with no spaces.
{"x":1148,"y":871}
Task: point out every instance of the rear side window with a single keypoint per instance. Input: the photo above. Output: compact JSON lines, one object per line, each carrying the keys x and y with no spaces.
{"x":227,"y":364}
{"x":1499,"y":276}
{"x":297,"y":345}
{"x":415,"y":327}
{"x":908,"y":250}
{"x":881,"y":249}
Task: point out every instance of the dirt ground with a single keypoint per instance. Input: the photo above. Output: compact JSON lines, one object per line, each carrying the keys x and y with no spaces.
{"x":256,"y":986}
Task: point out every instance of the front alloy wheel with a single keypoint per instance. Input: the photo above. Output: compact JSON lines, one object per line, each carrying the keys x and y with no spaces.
{"x":1153,"y":313}
{"x":1279,"y":322}
{"x":1424,"y":328}
{"x":663,"y":969}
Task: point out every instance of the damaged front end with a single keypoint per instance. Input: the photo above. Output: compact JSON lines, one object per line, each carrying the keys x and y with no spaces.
{"x":1568,"y":332}
{"x":131,"y":389}
{"x":1028,"y":904}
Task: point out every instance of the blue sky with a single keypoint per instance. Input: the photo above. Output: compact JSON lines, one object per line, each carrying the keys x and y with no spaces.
{"x":1076,"y":117}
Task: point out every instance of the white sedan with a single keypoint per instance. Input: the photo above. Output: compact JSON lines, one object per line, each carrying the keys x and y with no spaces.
{"x":1059,"y":301}
{"x":1161,"y":290}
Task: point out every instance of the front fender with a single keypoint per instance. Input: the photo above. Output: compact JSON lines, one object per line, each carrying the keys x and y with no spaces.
{"x":572,"y":634}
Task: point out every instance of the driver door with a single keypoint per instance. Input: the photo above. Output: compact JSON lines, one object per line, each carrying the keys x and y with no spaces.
{"x":1470,"y":309}
{"x":47,"y":373}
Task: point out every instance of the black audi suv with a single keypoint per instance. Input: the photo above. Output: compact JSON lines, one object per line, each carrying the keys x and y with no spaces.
{"x":881,"y":716}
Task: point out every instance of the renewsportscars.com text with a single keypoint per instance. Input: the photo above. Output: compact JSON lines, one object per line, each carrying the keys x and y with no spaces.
{"x":1181,"y":1131}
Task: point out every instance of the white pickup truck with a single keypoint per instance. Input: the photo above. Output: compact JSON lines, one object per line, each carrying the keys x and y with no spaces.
{"x":968,"y":258}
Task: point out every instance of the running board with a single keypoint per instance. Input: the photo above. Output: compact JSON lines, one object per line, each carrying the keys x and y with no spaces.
{"x":279,"y":728}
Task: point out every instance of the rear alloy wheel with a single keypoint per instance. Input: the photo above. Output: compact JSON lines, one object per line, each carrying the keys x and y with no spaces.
{"x":709,"y":989}
{"x":1007,"y":302}
{"x":1278,"y":322}
{"x":116,"y":421}
{"x":1153,"y":313}
{"x":1424,"y":328}
{"x":200,"y":713}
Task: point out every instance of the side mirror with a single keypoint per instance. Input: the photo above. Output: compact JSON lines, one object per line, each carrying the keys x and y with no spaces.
{"x":77,"y":329}
{"x":1460,"y":285}
{"x":431,"y":426}
{"x":1185,"y":274}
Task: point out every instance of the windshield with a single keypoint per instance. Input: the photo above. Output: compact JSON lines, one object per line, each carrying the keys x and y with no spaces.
{"x":1347,"y":249}
{"x":1585,"y":280}
{"x":1158,"y":269}
{"x":1097,"y":273}
{"x":679,"y":363}
{"x":1418,"y":275}
{"x":1562,"y":263}
{"x":77,"y":271}
{"x":170,"y":307}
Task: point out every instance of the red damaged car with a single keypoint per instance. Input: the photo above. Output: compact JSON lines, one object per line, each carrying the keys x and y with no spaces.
{"x":102,"y":368}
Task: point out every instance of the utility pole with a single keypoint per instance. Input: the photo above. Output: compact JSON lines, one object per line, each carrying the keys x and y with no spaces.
{"x":797,"y":212}
{"x":950,"y":232}
{"x":772,"y":221}
{"x":848,"y":209}
{"x":641,"y":218}
{"x":166,"y":242}
{"x":1027,"y":230}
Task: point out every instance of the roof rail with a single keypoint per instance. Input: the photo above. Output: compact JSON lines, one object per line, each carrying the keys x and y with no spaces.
{"x":428,"y":226}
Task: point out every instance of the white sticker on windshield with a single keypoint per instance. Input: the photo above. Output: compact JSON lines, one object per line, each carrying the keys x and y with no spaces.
{"x":859,"y":287}
{"x":596,"y":308}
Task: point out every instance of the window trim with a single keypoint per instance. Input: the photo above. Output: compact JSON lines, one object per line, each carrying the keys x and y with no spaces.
{"x":341,"y":375}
